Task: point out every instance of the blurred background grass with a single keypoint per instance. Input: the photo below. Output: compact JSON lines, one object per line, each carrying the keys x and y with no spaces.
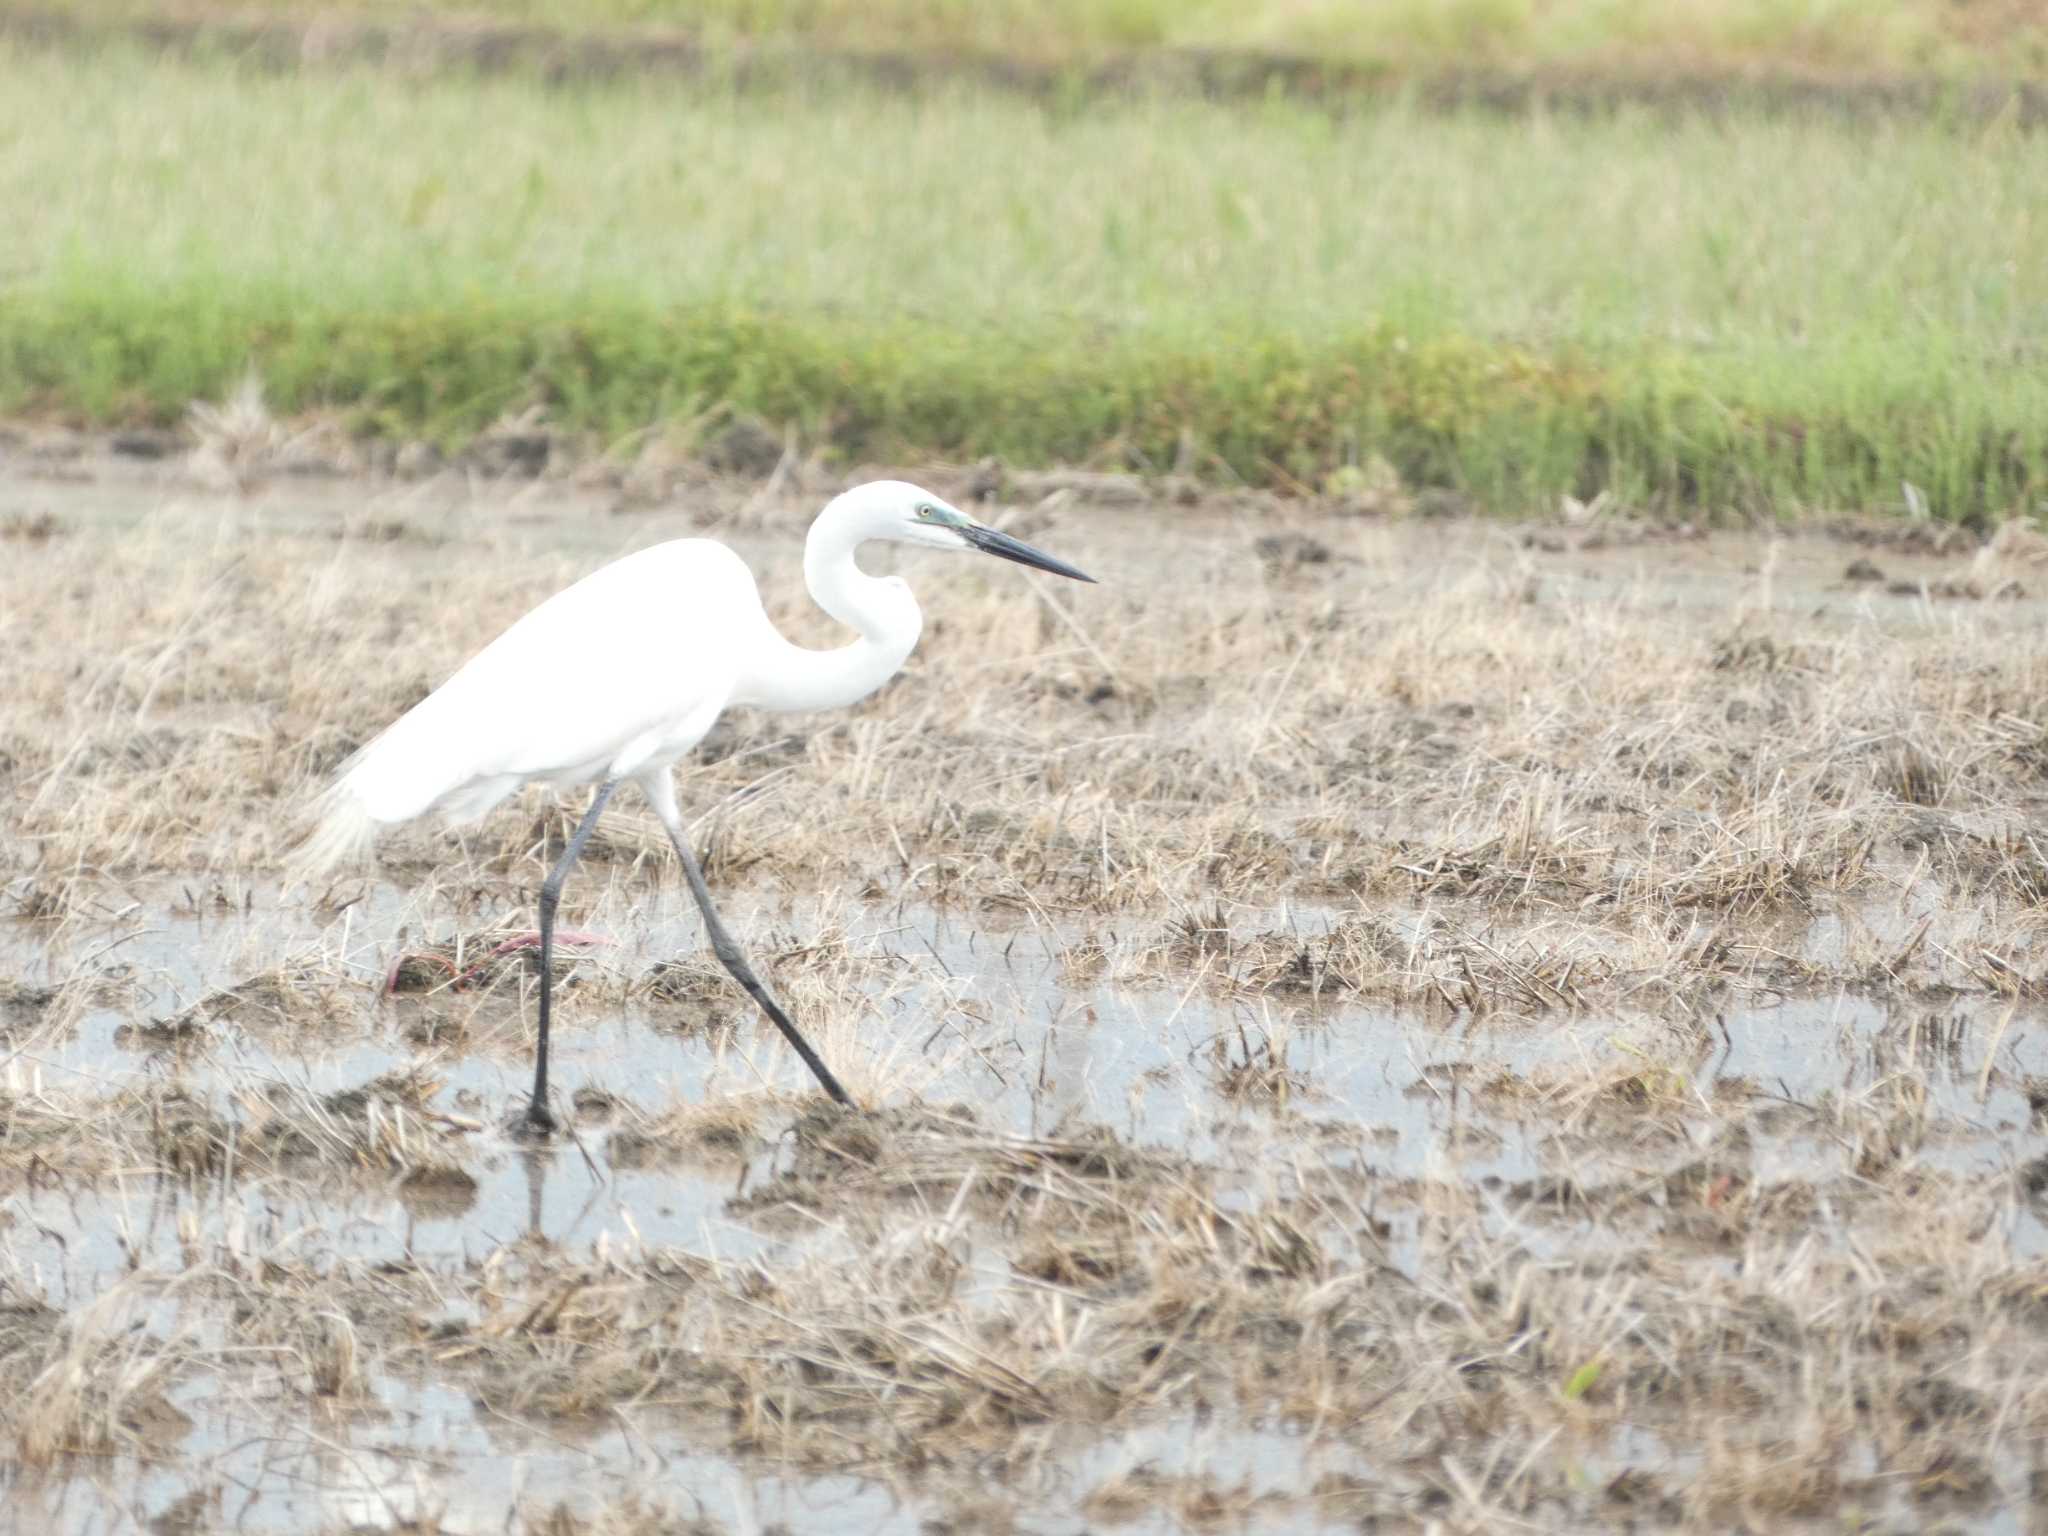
{"x":1728,"y":307}
{"x":1965,"y":37}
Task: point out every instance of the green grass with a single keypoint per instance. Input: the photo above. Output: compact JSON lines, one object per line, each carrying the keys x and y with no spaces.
{"x":1744,"y":309}
{"x":1828,"y":37}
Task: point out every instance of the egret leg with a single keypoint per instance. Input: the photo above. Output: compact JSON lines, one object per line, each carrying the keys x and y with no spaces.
{"x":662,"y":794}
{"x":537,"y":1114}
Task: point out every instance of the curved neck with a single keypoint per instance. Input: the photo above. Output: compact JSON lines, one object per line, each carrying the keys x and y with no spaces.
{"x":884,"y":613}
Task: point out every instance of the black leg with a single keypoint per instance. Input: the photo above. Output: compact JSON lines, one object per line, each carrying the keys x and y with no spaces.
{"x":537,"y":1114}
{"x":735,"y":961}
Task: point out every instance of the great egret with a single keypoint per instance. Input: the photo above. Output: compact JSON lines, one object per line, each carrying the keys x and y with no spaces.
{"x":618,"y":676}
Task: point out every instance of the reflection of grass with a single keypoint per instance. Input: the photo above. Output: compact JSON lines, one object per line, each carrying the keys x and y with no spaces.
{"x":1808,"y":308}
{"x":1677,"y":35}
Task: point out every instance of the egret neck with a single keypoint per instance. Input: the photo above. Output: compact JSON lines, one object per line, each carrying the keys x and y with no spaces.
{"x":619,"y":675}
{"x":880,"y":608}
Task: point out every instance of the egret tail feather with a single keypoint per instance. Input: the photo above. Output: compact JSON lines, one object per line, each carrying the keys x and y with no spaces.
{"x":343,"y":832}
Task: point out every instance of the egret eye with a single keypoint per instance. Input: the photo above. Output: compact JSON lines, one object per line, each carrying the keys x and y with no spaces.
{"x":925,"y":513}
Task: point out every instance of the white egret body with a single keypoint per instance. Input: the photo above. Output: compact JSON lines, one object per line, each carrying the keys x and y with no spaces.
{"x":620,"y":675}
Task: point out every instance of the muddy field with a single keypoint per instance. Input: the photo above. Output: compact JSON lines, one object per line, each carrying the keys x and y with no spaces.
{"x":1368,"y":1022}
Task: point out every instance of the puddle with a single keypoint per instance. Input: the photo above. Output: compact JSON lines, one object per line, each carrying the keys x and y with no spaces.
{"x":963,"y":1012}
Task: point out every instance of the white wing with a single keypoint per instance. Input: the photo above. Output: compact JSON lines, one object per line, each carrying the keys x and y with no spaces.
{"x":628,"y":667}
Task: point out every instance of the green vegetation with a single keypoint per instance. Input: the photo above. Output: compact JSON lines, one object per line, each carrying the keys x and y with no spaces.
{"x":1809,"y":37}
{"x":1746,"y":309}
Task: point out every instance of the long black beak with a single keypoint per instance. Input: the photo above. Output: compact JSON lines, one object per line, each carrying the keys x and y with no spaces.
{"x":990,"y":542}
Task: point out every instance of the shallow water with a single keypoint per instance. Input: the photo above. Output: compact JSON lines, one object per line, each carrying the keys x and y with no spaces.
{"x":976,"y":1014}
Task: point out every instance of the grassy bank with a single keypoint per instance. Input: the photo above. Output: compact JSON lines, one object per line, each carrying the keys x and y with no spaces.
{"x":1706,"y":310}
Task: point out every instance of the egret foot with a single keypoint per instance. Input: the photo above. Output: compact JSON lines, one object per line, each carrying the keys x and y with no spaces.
{"x":535,"y":1122}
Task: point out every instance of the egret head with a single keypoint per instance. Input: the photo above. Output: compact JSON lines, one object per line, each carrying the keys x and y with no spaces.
{"x":907,"y":514}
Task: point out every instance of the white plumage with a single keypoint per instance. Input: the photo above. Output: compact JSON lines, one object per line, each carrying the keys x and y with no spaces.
{"x":621,"y":673}
{"x":618,"y":676}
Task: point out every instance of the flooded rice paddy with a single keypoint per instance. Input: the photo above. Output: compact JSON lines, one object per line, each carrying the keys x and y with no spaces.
{"x":1405,"y":1108}
{"x":1351,"y":1038}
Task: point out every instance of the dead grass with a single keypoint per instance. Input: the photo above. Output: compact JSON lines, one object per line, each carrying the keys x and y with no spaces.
{"x":248,"y":1126}
{"x":1487,"y":1374}
{"x":87,"y":1384}
{"x":1336,"y":728}
{"x":1558,"y":813}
